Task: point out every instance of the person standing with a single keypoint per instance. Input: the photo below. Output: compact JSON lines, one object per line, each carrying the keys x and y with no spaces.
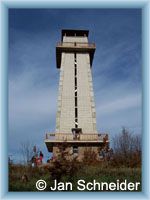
{"x":41,"y":156}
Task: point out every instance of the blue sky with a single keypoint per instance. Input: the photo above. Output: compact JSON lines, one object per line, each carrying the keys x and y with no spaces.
{"x":33,"y":76}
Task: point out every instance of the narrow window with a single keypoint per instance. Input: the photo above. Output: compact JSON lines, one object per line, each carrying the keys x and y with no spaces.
{"x":75,"y":71}
{"x":75,"y":150}
{"x":76,"y":112}
{"x":75,"y":101}
{"x":75,"y":81}
{"x":75,"y":56}
{"x":75,"y":93}
{"x":76,"y":122}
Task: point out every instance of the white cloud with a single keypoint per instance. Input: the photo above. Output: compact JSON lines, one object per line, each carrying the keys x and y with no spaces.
{"x":31,"y":102}
{"x":120,"y":104}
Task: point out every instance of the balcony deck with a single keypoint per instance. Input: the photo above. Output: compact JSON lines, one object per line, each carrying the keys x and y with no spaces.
{"x":74,"y":47}
{"x":84,"y":139}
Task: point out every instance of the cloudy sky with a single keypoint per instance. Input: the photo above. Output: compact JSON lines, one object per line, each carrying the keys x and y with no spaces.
{"x":33,"y":77}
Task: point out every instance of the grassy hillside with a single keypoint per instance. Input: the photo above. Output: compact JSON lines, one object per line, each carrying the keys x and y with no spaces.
{"x":100,"y":172}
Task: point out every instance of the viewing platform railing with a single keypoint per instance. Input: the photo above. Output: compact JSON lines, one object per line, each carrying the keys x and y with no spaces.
{"x":78,"y":47}
{"x":76,"y":44}
{"x":78,"y":137}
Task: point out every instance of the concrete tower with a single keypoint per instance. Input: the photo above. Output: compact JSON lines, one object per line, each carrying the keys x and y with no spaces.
{"x":76,"y":116}
{"x":76,"y":108}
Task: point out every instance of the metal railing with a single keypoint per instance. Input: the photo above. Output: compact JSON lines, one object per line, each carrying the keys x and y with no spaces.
{"x":76,"y":44}
{"x":78,"y":137}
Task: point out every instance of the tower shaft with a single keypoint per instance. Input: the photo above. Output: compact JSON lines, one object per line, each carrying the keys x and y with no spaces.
{"x":76,"y":107}
{"x":76,"y":115}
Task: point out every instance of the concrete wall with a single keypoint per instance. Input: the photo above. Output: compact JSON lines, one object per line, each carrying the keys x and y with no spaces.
{"x":66,"y":111}
{"x":86,"y":105}
{"x":65,"y":119}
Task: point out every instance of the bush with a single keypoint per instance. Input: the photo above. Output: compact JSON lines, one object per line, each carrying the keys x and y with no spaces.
{"x":127,"y":149}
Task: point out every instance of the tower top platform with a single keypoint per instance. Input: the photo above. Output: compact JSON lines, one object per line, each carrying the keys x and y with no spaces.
{"x":73,"y":32}
{"x":74,"y":47}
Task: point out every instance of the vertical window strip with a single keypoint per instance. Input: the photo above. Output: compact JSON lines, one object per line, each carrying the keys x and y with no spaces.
{"x":75,"y":92}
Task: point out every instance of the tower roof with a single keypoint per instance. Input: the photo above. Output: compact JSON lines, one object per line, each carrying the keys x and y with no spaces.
{"x":72,"y":32}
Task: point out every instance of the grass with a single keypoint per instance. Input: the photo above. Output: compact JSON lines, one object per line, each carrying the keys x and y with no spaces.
{"x":98,"y":171}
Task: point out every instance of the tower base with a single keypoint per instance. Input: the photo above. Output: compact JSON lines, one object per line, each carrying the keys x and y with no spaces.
{"x":77,"y":146}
